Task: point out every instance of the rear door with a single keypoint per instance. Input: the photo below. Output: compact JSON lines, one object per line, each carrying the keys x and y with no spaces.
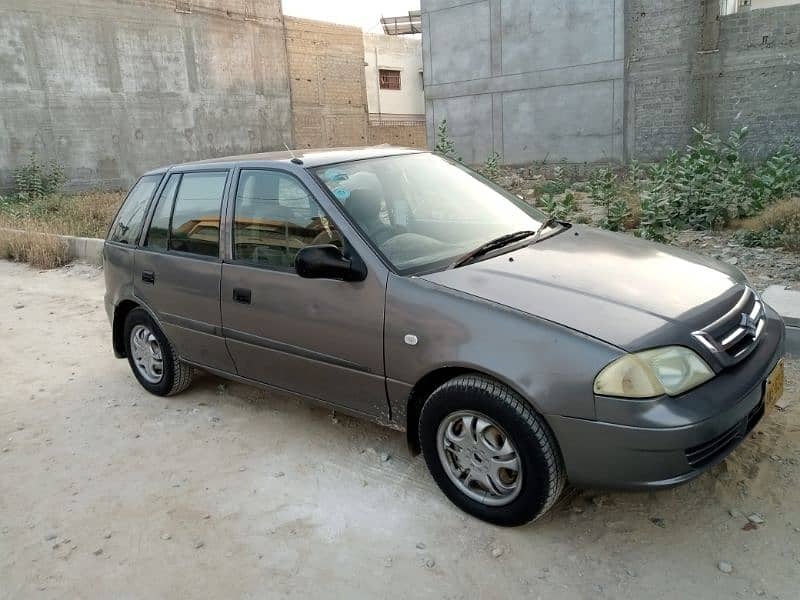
{"x":317,"y":337}
{"x":177,"y":268}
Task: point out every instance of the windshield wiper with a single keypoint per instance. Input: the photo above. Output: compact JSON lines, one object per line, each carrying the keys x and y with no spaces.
{"x":498,"y":242}
{"x":548,"y":222}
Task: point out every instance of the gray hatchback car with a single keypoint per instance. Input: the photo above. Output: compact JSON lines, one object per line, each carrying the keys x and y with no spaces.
{"x":517,"y":352}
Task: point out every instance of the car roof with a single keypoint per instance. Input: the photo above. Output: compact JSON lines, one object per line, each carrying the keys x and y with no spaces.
{"x":310,"y":158}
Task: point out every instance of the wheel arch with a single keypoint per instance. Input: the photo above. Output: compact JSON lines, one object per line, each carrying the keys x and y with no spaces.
{"x":432,"y":380}
{"x":118,"y":327}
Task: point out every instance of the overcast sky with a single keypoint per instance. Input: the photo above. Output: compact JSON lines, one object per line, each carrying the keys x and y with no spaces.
{"x":362,"y":13}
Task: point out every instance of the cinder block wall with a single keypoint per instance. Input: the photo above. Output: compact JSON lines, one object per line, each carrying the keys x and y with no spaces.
{"x":662,"y":42}
{"x":111,"y":89}
{"x":758,"y":80}
{"x":687,"y":65}
{"x":326,"y":73}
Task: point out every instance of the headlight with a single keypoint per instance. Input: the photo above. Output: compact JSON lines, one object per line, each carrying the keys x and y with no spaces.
{"x":670,"y":370}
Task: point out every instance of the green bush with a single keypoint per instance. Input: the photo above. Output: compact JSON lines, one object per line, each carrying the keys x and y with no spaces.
{"x":556,"y":185}
{"x":560,"y":208}
{"x":602,"y":187}
{"x":444,"y":144}
{"x":35,"y":180}
{"x":491,"y":169}
{"x":617,"y":213}
{"x":710,"y":185}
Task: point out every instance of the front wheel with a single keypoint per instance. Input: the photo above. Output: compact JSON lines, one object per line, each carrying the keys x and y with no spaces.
{"x":490,"y":453}
{"x":152,"y":358}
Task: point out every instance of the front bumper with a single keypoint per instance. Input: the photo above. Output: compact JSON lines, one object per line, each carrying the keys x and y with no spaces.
{"x":664,"y":442}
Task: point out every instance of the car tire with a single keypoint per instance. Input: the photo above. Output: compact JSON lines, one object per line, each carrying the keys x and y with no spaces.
{"x":463,"y":429}
{"x":152,"y":357}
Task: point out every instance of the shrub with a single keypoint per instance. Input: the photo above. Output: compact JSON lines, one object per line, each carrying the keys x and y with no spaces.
{"x":778,"y":177}
{"x":617,"y":213}
{"x":445,"y":145}
{"x":35,"y":180}
{"x":491,"y":170}
{"x":554,"y":186}
{"x":654,"y":220}
{"x":602,"y":187}
{"x":709,"y":185}
{"x":560,"y":208}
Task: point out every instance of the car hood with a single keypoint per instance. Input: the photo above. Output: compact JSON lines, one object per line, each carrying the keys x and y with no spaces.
{"x":626,"y":291}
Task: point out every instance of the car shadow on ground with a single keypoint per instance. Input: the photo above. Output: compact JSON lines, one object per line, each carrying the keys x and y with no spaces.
{"x":383,"y":454}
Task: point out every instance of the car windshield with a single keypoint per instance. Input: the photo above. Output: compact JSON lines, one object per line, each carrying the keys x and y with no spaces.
{"x":422,"y":211}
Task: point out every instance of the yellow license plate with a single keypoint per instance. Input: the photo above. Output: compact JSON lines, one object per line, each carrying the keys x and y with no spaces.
{"x":774,"y":387}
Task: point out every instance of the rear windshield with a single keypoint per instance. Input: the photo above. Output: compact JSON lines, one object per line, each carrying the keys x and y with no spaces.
{"x":128,"y":223}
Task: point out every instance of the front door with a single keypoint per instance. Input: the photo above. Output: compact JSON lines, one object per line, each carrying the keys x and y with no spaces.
{"x":177,"y":268}
{"x":317,"y":337}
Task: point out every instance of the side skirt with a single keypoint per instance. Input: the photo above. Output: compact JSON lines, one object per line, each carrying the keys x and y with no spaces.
{"x":268,"y":387}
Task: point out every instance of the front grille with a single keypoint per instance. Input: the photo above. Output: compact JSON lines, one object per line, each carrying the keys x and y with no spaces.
{"x":705,"y":453}
{"x":735,"y":334}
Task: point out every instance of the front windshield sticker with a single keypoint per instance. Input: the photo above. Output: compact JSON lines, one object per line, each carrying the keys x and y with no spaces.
{"x":334,"y":175}
{"x":341,"y":194}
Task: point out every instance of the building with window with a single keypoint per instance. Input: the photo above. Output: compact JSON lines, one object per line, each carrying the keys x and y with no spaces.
{"x":393,"y":72}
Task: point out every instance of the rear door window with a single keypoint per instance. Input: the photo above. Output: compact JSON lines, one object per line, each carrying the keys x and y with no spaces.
{"x":128,"y":224}
{"x":194,"y":226}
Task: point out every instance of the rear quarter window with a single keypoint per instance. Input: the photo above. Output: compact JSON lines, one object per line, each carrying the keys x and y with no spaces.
{"x":128,"y":222}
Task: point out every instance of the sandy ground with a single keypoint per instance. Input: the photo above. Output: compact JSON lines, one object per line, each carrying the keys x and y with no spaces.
{"x":226,"y":491}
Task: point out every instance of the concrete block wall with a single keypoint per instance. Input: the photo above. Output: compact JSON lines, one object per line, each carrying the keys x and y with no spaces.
{"x":111,"y":89}
{"x":688,"y":65}
{"x":533,"y":80}
{"x":662,"y":41}
{"x":756,"y":81}
{"x":326,"y":75}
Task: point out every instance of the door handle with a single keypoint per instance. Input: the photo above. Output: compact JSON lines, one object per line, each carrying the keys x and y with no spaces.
{"x":242,"y":295}
{"x":148,"y":277}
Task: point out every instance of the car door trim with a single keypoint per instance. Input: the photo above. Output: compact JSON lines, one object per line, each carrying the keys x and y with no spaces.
{"x":256,"y":340}
{"x":186,"y":323}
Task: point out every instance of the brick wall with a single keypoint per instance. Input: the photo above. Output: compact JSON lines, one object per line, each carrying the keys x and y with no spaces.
{"x":326,"y":77}
{"x":411,"y":136}
{"x":758,"y":82}
{"x":662,"y":41}
{"x":686,"y":65}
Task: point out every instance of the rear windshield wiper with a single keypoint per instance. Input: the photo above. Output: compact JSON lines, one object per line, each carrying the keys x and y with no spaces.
{"x":499,"y":242}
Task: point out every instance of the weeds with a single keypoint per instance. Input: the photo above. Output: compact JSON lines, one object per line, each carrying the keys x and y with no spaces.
{"x":559,"y":208}
{"x":35,"y":180}
{"x":84,"y":215}
{"x":444,"y":144}
{"x":40,"y":250}
{"x":778,"y":225}
{"x":491,"y":170}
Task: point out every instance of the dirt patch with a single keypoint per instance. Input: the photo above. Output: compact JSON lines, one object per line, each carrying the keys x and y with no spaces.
{"x":226,"y":491}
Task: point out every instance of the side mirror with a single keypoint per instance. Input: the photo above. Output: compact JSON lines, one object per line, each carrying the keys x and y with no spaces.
{"x":327,"y":262}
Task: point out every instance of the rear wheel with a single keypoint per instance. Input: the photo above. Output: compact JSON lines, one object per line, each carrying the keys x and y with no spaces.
{"x":152,"y":358}
{"x":491,"y":454}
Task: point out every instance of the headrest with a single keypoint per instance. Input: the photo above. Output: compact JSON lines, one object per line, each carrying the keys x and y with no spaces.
{"x":363,"y":205}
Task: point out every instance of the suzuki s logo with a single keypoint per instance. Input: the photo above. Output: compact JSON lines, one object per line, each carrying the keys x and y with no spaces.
{"x":748,"y":324}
